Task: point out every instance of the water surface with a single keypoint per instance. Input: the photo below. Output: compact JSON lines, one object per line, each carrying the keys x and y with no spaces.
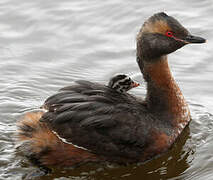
{"x":45,"y":45}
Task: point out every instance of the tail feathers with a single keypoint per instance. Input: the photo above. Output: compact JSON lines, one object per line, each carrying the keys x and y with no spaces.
{"x":34,"y":138}
{"x":40,"y":144}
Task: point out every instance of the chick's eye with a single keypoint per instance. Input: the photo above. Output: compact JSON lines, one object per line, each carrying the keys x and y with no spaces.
{"x":169,"y":34}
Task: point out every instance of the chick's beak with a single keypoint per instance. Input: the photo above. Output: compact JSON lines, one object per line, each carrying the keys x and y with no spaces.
{"x":135,"y":84}
{"x":194,"y":39}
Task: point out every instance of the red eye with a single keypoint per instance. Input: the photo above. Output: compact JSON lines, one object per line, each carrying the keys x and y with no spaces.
{"x":169,"y":34}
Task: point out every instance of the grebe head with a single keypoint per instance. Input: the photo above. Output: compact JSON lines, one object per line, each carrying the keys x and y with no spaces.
{"x":122,"y":83}
{"x":160,"y":35}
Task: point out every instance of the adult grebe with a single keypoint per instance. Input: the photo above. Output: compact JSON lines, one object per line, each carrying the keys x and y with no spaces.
{"x":91,"y":122}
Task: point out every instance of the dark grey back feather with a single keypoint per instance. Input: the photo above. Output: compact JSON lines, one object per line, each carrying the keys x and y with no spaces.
{"x":98,"y":118}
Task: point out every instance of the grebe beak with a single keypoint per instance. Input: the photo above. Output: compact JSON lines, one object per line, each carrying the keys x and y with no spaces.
{"x":135,"y":84}
{"x":194,"y":39}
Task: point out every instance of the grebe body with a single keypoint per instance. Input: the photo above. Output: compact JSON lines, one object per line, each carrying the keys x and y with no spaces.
{"x":91,"y":122}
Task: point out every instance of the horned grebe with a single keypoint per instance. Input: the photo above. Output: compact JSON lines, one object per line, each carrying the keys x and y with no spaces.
{"x":91,"y":122}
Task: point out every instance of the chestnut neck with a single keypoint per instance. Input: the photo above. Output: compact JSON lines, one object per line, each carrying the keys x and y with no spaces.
{"x":164,"y":98}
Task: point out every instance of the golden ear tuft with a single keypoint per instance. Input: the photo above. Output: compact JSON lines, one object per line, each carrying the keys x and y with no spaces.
{"x":158,"y":26}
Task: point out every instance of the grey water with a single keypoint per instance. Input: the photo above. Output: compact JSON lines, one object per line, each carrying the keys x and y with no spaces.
{"x":45,"y":45}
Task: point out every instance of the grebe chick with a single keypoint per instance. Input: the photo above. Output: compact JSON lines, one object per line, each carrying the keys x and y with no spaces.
{"x":89,"y":122}
{"x":122,"y":83}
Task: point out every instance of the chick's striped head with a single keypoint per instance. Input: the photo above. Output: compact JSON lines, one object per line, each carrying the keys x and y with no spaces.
{"x":122,"y":83}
